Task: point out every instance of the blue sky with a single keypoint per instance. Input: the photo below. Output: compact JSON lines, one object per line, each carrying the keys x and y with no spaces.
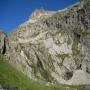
{"x":15,"y":12}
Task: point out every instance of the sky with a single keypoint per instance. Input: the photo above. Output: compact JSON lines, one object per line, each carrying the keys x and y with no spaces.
{"x":15,"y":12}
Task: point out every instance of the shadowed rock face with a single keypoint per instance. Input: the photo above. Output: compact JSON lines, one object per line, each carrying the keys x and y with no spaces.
{"x":3,"y":42}
{"x":56,"y":47}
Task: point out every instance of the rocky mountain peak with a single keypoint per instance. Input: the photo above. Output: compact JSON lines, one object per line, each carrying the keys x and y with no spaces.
{"x":37,"y":12}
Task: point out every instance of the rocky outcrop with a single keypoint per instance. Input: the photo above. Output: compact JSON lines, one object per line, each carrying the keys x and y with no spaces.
{"x":3,"y":42}
{"x":55,"y":47}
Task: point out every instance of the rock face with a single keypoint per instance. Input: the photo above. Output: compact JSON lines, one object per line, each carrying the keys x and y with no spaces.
{"x":55,"y":47}
{"x":3,"y":42}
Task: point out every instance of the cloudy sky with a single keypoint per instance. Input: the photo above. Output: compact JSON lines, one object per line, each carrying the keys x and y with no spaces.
{"x":15,"y":12}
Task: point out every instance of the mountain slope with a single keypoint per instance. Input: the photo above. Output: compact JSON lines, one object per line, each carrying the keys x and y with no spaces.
{"x":54,"y":46}
{"x":12,"y":78}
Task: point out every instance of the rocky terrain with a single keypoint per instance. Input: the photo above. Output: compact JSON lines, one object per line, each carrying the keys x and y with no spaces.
{"x":53,"y":46}
{"x":3,"y":42}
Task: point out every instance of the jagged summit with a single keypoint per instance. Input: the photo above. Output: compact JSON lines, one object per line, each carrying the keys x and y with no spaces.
{"x":38,"y":12}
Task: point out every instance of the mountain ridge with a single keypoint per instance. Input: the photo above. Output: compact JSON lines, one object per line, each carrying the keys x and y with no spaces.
{"x":54,"y":47}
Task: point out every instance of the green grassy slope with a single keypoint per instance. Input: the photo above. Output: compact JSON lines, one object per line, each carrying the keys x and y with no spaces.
{"x":10,"y":77}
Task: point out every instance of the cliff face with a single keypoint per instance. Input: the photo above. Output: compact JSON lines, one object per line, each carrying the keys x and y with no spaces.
{"x":3,"y":42}
{"x":55,"y":47}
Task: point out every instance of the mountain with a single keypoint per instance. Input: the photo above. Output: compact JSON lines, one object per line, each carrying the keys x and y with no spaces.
{"x":54,"y":46}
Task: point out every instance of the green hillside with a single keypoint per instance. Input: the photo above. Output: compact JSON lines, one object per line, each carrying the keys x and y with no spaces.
{"x":10,"y":77}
